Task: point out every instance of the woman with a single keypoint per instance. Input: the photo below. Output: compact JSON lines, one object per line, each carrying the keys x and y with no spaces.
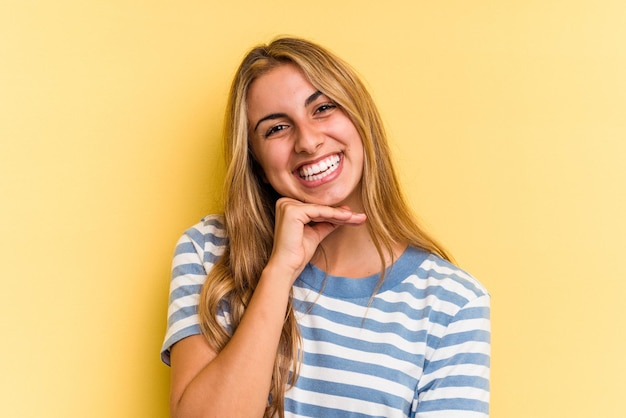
{"x":316,"y":293}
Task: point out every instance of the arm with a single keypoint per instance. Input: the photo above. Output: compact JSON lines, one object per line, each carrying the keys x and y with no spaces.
{"x":455,"y":383}
{"x":236,"y":381}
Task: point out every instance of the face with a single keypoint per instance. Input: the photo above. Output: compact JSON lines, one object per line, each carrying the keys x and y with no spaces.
{"x":308,"y":148}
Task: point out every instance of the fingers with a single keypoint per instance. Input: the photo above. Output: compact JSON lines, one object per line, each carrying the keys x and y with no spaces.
{"x":301,"y":227}
{"x":307,"y":213}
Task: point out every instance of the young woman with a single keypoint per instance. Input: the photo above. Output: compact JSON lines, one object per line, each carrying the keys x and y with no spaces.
{"x":316,"y":293}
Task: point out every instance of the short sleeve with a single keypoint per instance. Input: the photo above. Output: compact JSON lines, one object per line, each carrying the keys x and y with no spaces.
{"x":455,"y":383}
{"x":195,"y":254}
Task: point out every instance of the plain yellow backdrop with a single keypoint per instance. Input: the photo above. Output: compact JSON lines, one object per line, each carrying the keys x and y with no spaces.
{"x":507,"y":120}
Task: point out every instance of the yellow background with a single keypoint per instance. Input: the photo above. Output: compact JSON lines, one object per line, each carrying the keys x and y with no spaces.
{"x":508,"y":121}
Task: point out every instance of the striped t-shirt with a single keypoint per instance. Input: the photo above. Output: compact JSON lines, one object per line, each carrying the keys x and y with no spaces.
{"x":420,"y":348}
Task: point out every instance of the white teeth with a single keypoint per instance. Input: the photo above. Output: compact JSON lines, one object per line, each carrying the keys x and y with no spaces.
{"x":320,"y":169}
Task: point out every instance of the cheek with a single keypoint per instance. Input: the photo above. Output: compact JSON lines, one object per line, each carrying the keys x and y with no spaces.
{"x":272,"y":162}
{"x":261,"y":154}
{"x":260,"y":162}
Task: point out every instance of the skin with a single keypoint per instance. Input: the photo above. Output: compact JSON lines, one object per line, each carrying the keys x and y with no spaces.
{"x":293,"y":126}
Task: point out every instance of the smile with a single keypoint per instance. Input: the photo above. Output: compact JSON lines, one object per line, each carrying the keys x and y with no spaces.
{"x":320,"y":169}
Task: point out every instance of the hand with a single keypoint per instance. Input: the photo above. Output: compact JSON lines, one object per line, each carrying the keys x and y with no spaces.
{"x":300,"y":227}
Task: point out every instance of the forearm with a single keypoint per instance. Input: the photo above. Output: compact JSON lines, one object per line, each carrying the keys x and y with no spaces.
{"x":237,"y":381}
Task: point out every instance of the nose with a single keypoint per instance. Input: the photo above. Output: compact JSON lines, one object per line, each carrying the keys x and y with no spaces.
{"x":308,"y":140}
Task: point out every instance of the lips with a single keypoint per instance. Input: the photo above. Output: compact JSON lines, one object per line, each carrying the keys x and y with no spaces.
{"x":320,"y":169}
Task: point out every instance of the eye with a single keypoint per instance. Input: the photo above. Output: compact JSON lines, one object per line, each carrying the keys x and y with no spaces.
{"x":325,"y":107}
{"x":274,"y":130}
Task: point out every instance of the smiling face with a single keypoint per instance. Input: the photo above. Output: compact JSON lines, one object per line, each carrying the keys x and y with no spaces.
{"x":308,"y":148}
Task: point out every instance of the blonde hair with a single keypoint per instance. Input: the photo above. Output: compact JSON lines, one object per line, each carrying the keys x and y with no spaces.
{"x":250,"y":202}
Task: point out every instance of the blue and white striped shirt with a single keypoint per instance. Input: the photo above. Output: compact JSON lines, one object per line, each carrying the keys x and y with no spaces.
{"x":420,"y":348}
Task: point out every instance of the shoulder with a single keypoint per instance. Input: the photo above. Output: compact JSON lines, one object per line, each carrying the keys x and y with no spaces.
{"x":211,"y":228}
{"x":207,"y":238}
{"x":441,"y":273}
{"x":437,"y":286}
{"x":459,"y":303}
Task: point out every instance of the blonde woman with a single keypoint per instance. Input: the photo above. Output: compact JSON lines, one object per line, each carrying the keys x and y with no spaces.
{"x":316,"y":293}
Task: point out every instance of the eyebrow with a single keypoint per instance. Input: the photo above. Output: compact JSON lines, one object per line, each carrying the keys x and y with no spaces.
{"x":271,"y":116}
{"x":312,"y":98}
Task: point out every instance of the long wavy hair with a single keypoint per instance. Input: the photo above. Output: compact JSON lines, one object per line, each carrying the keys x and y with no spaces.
{"x":249,"y":202}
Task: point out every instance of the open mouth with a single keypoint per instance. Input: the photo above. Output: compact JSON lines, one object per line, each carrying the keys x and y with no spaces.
{"x":320,"y":169}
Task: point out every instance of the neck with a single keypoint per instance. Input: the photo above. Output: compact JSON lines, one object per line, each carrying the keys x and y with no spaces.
{"x":350,"y":252}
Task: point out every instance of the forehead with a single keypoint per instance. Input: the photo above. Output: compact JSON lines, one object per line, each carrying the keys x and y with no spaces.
{"x":282,"y":85}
